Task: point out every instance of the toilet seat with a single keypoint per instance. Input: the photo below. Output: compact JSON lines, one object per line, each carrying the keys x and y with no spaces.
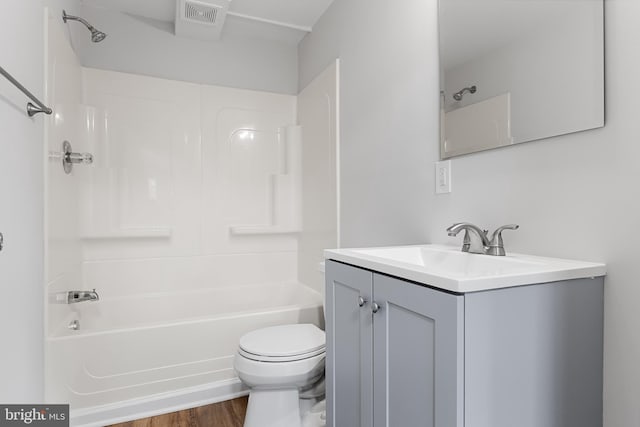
{"x":275,"y":359}
{"x":285,"y":343}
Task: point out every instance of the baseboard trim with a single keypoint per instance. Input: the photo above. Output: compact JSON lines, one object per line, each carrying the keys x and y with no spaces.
{"x":158,"y":404}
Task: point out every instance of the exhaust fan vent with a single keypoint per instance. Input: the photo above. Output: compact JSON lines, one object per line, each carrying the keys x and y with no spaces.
{"x":200,"y":19}
{"x":200,"y":12}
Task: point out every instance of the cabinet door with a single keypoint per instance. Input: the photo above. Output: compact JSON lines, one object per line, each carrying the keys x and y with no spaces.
{"x":349,"y":346}
{"x":418,"y":355}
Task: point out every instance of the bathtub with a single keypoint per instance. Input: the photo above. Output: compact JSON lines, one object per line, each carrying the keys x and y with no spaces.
{"x":144,"y":355}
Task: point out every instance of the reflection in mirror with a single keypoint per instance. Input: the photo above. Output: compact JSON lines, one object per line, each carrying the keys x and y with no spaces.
{"x":518,"y":70}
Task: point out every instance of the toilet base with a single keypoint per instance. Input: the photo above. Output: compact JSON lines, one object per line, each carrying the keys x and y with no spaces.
{"x":316,"y":416}
{"x":273,"y":408}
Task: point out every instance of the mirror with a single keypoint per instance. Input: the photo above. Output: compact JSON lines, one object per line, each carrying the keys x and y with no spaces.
{"x":513,"y":71}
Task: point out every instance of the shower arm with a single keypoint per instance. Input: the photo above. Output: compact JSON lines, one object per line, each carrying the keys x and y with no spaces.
{"x":96,"y":35}
{"x":66,"y":18}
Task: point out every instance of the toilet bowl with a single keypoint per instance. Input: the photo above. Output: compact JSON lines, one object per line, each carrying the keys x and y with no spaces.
{"x":284,"y":367}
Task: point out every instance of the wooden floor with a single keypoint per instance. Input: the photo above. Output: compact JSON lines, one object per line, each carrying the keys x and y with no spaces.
{"x":223,"y":414}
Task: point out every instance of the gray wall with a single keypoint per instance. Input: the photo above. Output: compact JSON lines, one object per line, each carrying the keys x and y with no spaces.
{"x":573,"y":196}
{"x":22,"y":195}
{"x":147,"y":47}
{"x":388,"y":113}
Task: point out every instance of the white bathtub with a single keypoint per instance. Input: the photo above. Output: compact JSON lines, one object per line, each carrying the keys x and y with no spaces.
{"x":150,"y":354}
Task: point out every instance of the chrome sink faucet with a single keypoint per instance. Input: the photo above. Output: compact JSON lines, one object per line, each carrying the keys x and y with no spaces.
{"x":79,"y":296}
{"x":476,"y":240}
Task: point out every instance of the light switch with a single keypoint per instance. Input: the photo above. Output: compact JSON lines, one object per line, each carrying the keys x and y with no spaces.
{"x":443,"y":177}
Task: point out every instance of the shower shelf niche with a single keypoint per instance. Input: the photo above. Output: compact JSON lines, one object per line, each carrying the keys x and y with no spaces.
{"x":285,"y":206}
{"x":285,"y":192}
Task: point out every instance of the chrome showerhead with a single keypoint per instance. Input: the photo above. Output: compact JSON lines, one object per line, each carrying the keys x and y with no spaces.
{"x":459,"y":95}
{"x":96,"y":36}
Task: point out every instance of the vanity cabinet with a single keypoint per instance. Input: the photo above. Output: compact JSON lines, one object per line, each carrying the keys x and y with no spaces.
{"x":404,"y":354}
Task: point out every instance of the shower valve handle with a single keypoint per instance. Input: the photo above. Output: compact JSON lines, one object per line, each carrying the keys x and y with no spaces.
{"x":84,"y":158}
{"x":69,"y":158}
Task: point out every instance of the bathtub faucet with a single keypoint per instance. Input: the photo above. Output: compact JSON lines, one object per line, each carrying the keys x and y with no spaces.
{"x":79,"y":296}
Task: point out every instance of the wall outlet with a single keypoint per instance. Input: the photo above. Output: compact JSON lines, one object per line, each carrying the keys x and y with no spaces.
{"x":443,"y":177}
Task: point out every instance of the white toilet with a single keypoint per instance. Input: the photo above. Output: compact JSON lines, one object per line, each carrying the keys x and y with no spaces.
{"x":284,"y":366}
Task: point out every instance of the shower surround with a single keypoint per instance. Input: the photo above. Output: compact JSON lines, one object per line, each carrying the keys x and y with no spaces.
{"x":187,"y":225}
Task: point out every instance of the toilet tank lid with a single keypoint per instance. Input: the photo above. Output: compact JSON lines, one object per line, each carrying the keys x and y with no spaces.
{"x":284,"y":340}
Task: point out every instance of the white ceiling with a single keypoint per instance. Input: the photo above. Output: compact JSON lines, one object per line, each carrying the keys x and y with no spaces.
{"x":297,"y":16}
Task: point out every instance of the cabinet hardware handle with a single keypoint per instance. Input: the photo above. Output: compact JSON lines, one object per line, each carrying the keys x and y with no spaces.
{"x":361,"y":301}
{"x":1,"y":241}
{"x":375,"y":307}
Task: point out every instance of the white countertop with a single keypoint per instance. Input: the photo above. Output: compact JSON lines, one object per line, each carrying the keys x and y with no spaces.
{"x":448,"y":268}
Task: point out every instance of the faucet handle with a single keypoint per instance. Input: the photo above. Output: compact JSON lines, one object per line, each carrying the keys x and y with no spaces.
{"x":496,"y":244}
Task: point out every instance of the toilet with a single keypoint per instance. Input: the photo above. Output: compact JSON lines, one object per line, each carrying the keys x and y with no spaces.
{"x":284,"y":367}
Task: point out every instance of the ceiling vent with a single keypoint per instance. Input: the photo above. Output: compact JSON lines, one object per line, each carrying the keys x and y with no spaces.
{"x":200,"y":12}
{"x":202,"y":19}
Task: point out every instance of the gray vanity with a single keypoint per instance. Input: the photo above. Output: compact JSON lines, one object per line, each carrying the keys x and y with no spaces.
{"x":431,"y":336}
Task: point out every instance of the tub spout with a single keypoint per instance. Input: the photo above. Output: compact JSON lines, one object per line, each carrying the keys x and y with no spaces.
{"x":79,"y":296}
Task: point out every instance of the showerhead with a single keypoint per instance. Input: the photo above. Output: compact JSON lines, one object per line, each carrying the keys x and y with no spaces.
{"x":96,"y":36}
{"x":459,"y":95}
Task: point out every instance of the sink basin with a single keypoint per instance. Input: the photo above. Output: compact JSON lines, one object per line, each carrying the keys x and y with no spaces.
{"x":453,"y":261}
{"x":448,"y":268}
